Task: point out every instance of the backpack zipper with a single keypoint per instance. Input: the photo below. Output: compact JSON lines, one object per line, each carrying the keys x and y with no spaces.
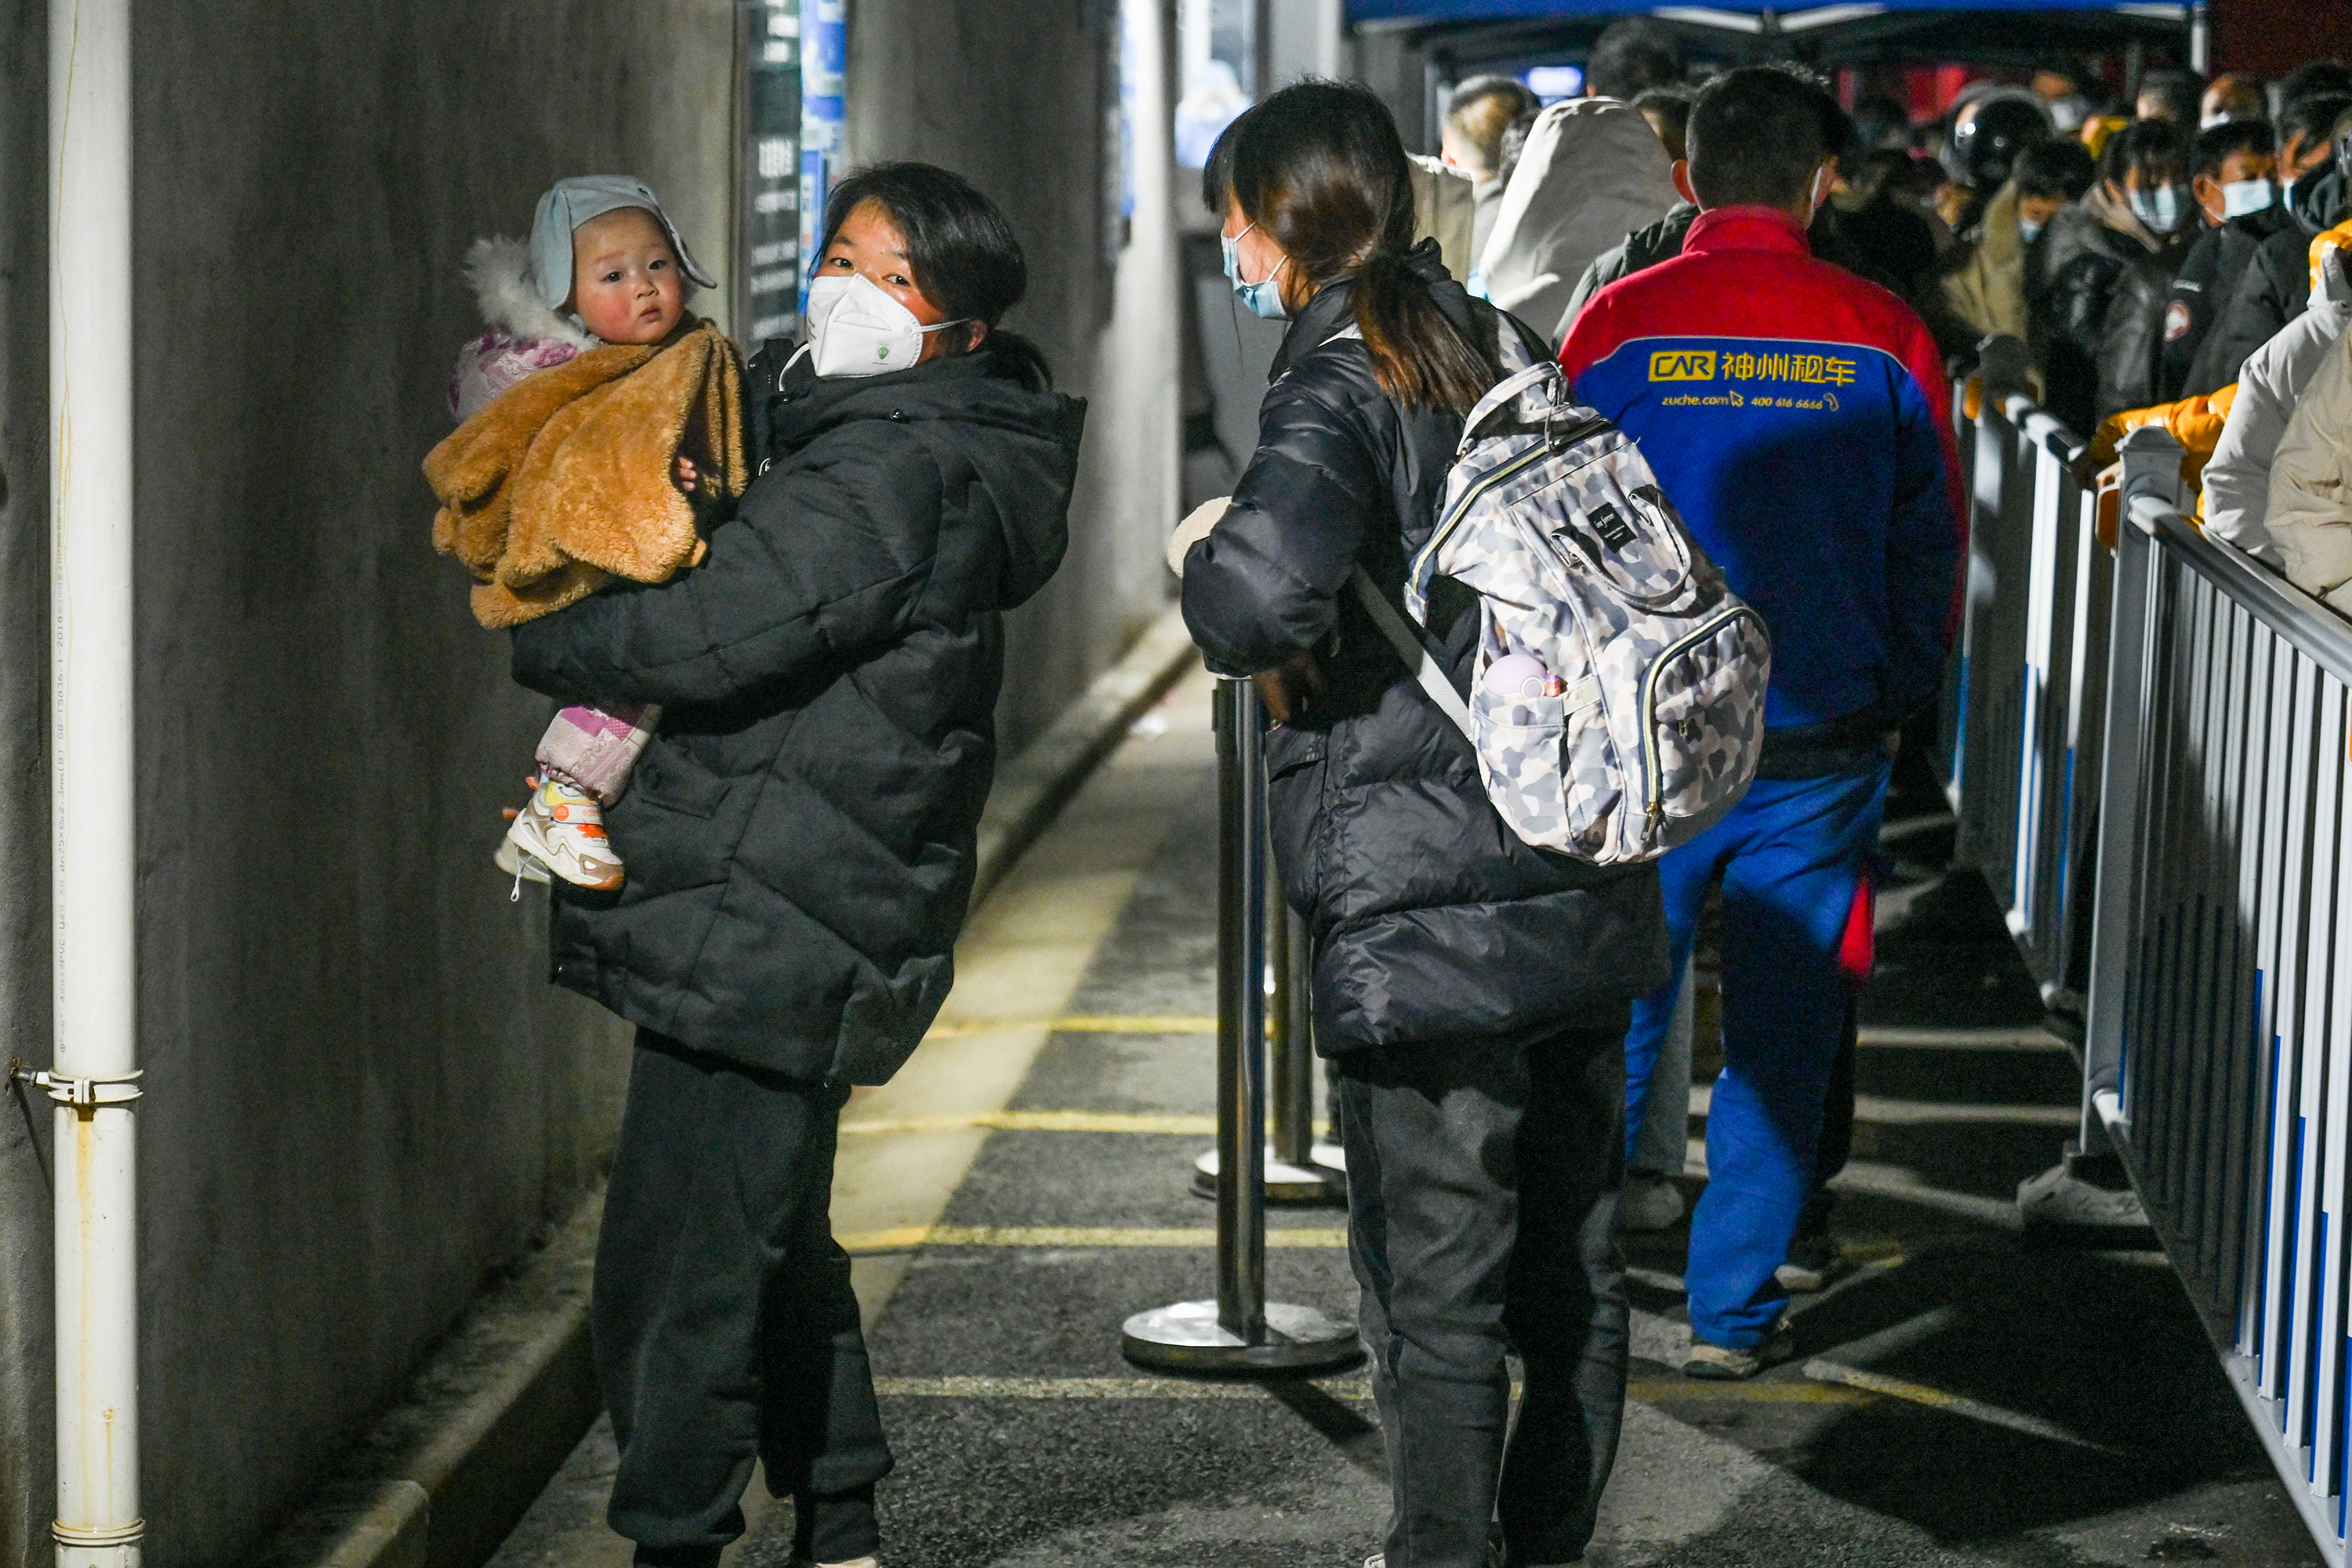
{"x":1517,"y":465}
{"x":1652,"y":764}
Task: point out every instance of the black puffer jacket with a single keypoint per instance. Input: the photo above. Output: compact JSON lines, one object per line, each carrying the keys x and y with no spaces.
{"x":2108,"y":295}
{"x":1432,"y":918}
{"x":800,"y":834}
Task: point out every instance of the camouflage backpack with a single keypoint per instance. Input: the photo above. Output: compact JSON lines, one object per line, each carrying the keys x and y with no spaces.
{"x":1617,"y":699}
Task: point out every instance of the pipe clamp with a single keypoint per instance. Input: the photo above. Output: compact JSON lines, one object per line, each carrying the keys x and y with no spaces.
{"x":121,"y":1089}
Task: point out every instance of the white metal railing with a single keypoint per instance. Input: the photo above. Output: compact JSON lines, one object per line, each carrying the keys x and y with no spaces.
{"x":2149,"y":757}
{"x":2220,"y":1026}
{"x":2025,"y":699}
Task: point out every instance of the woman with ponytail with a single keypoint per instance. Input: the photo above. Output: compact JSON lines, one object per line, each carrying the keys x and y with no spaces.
{"x":1471,"y":991}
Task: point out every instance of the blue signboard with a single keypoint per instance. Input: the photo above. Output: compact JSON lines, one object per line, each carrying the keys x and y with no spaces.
{"x":825,"y":69}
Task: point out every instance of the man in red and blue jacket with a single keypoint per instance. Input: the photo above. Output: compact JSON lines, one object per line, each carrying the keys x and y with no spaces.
{"x":1798,"y":419}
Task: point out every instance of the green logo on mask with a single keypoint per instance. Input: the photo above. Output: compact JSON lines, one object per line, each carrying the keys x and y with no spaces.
{"x":882,"y":352}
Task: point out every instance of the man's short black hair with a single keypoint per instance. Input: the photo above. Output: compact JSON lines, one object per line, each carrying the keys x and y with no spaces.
{"x":2061,"y":168}
{"x":2215,"y":147}
{"x":2332,"y":79}
{"x":2177,"y":90}
{"x":2156,"y":149}
{"x":2311,"y":118}
{"x":1631,"y":54}
{"x":1758,"y":134}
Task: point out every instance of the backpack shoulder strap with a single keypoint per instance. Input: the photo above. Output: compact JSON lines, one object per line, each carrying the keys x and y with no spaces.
{"x":1412,"y":650}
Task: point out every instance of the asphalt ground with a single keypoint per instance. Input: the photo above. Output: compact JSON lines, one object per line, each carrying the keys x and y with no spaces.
{"x":1962,"y":1399}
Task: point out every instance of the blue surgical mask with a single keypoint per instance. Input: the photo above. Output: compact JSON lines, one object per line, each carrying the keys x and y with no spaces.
{"x":2027,"y":229}
{"x":2240,"y":197}
{"x":2159,"y":209}
{"x":1263,"y":298}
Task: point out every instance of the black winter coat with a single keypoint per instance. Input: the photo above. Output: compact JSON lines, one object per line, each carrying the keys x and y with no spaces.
{"x":2106,"y":302}
{"x":2276,"y":286}
{"x":800,"y":834}
{"x":2201,"y":291}
{"x":1431,"y":920}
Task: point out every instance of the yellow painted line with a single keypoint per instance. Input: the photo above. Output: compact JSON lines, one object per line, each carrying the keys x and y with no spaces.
{"x":905,"y":1238}
{"x":1042,"y":1122}
{"x":1951,"y":1403}
{"x":1648,"y":1391}
{"x":1081,"y":1024}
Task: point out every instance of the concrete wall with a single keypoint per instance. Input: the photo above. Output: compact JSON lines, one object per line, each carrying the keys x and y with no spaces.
{"x":1011,"y":95}
{"x":361,"y":1094}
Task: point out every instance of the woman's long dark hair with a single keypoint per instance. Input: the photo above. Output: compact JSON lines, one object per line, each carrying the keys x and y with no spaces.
{"x":1320,"y":168}
{"x":960,"y":250}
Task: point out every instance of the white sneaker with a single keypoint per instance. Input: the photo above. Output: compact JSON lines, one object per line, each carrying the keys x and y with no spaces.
{"x":563,"y":828}
{"x":522,"y":867}
{"x":1650,"y":1201}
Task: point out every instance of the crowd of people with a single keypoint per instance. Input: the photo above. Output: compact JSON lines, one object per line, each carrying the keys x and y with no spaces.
{"x":2176,"y":256}
{"x":769,"y":597}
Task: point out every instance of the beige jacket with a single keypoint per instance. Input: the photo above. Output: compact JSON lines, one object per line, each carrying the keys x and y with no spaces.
{"x":1987,"y":291}
{"x":2310,"y":515}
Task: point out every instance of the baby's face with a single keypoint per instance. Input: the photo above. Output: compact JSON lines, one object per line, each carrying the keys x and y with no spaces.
{"x":625,"y":284}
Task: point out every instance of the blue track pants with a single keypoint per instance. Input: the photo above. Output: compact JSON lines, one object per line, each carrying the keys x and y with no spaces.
{"x":1793,"y":857}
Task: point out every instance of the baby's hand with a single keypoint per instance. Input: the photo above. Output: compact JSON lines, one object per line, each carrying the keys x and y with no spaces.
{"x":685,"y":472}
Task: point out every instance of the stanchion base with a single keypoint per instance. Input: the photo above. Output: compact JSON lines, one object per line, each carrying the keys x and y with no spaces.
{"x":1187,"y":1338}
{"x":1284,"y":1182}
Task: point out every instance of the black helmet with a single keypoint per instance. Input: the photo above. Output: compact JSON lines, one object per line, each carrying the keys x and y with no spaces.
{"x":1987,"y":136}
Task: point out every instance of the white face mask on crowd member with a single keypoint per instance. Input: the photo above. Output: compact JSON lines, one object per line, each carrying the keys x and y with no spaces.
{"x":2241,"y":198}
{"x":2159,"y":209}
{"x":857,"y":329}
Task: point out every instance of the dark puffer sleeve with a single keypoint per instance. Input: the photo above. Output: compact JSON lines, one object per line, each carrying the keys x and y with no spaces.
{"x":821,"y":560}
{"x":1265,"y":585}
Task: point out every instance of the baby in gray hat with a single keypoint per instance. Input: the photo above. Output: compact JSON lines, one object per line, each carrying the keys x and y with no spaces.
{"x":593,"y":317}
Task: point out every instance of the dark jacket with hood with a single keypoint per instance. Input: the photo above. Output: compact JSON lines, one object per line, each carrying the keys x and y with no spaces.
{"x":2276,"y":286}
{"x":2109,"y":283}
{"x":1433,"y":921}
{"x":800,"y":834}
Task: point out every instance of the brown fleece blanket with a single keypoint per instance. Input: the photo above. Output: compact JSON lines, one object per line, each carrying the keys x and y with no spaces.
{"x":564,"y":481}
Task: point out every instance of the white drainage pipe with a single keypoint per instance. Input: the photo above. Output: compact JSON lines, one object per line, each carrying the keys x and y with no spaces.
{"x":92,"y":781}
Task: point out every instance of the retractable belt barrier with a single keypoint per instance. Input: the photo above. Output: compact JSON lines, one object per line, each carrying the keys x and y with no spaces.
{"x":2148,"y":758}
{"x":1241,"y":1331}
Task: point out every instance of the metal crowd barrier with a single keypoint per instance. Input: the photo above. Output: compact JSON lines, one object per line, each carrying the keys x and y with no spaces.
{"x":2149,"y":759}
{"x":2025,"y":701}
{"x":2221,"y":997}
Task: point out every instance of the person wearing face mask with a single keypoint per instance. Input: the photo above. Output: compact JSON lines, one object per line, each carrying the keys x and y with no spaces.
{"x":2316,"y":187}
{"x":1991,"y":280}
{"x":1470,"y":990}
{"x":1799,"y":420}
{"x":801,"y":841}
{"x":2111,"y":260}
{"x":2237,"y":197}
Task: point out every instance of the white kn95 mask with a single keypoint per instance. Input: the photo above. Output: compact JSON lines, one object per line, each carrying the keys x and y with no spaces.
{"x":857,"y":329}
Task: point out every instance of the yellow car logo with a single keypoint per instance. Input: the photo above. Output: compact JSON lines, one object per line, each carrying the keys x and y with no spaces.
{"x":1683,"y":365}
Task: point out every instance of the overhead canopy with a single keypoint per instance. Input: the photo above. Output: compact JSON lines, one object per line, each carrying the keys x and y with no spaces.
{"x":1731,"y":15}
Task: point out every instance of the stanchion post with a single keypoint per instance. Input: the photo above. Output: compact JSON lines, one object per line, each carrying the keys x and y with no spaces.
{"x":1241,"y":1012}
{"x":1288,"y":1171}
{"x":1241,"y":1331}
